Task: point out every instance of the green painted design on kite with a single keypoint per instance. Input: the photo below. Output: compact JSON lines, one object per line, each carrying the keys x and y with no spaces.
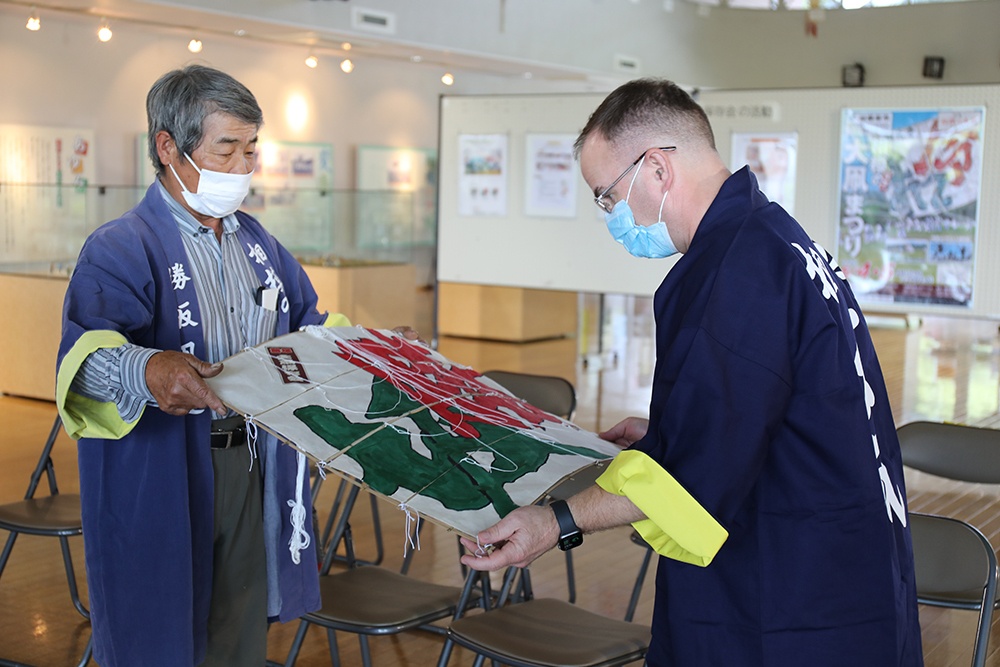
{"x":390,"y":462}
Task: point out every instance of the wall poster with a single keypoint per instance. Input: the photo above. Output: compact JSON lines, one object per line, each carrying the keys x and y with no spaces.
{"x":909,"y":203}
{"x":551,"y":176}
{"x":397,"y":198}
{"x":482,"y":179}
{"x":772,"y":158}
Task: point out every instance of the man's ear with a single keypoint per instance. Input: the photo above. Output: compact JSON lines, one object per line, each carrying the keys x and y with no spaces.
{"x":663,"y":170}
{"x":166,"y":148}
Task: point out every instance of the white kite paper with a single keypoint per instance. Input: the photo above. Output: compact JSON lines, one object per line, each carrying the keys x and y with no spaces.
{"x":397,"y":417}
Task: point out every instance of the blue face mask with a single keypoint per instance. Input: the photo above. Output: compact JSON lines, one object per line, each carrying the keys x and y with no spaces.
{"x":652,"y":242}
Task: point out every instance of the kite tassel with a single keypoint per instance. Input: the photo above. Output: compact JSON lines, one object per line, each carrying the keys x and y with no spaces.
{"x":299,"y":541}
{"x":411,"y":531}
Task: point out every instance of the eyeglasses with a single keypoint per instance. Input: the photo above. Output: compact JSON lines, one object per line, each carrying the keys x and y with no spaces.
{"x":602,"y":199}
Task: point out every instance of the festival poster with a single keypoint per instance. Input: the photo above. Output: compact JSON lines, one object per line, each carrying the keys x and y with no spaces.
{"x":482,"y":181}
{"x":772,"y":158}
{"x":909,"y":203}
{"x":551,"y":176}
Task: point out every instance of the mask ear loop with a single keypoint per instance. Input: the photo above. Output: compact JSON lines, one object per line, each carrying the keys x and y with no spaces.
{"x":632,"y":182}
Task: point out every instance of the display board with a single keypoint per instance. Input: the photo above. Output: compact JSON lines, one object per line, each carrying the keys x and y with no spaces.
{"x":578,"y":255}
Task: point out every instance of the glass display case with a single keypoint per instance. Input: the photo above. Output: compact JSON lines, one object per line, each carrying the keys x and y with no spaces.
{"x":362,"y":251}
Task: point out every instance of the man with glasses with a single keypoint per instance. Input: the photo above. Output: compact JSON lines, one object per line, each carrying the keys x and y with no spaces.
{"x":768,"y":475}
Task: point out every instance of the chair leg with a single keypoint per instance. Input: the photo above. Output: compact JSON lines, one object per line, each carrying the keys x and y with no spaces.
{"x":8,"y":547}
{"x":293,"y":652}
{"x":445,"y":652}
{"x":366,"y":656}
{"x":637,"y":589}
{"x":87,"y":652}
{"x":74,"y":592}
{"x":331,"y":640}
{"x":570,"y":577}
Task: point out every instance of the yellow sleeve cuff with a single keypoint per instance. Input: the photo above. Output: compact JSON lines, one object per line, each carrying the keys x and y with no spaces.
{"x":81,"y":416}
{"x":677,"y":526}
{"x":336,"y":320}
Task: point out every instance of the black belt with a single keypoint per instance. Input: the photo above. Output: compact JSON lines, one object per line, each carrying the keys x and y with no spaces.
{"x":227,"y":433}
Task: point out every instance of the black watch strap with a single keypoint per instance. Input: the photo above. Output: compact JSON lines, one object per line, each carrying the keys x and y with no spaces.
{"x":570,"y":535}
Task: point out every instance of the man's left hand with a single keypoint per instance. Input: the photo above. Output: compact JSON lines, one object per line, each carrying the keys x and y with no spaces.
{"x":518,"y":539}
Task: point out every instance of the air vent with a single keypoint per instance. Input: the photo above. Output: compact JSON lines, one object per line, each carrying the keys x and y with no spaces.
{"x":373,"y":20}
{"x":627,"y":64}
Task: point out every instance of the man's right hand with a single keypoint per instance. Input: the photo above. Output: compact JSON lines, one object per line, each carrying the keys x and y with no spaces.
{"x":176,"y":381}
{"x":627,"y":431}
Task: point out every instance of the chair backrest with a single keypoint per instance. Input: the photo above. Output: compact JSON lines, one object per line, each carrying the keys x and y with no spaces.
{"x":964,"y":453}
{"x":553,"y":394}
{"x":954,"y":561}
{"x":45,"y":465}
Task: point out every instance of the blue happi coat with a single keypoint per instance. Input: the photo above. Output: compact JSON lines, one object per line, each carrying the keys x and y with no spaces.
{"x":147,"y":487}
{"x":770,"y":472}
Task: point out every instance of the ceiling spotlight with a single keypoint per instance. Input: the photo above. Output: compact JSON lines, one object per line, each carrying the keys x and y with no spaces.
{"x":312,"y":61}
{"x":347,"y":65}
{"x":447,"y":79}
{"x":104,"y":32}
{"x":346,"y":46}
{"x":528,"y":75}
{"x":194,"y":46}
{"x":34,"y":23}
{"x":416,"y":59}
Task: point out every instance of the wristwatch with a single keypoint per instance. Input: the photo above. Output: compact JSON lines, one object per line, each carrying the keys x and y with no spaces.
{"x":570,"y":535}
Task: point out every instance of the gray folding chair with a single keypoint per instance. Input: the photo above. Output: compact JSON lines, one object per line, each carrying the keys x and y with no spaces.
{"x":956,"y":567}
{"x":544,"y":632}
{"x":955,"y":563}
{"x":53,"y":515}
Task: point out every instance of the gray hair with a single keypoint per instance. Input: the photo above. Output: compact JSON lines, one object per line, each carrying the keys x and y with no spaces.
{"x":180,"y":100}
{"x":648,"y":108}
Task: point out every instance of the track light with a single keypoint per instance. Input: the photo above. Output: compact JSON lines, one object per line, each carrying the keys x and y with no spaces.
{"x":195,"y":46}
{"x":347,"y":66}
{"x":312,"y":61}
{"x":104,"y":33}
{"x":447,"y":79}
{"x":34,"y":23}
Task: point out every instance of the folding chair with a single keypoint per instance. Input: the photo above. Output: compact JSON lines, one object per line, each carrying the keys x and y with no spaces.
{"x":373,"y":600}
{"x":544,"y":632}
{"x":956,"y":565}
{"x":53,"y":515}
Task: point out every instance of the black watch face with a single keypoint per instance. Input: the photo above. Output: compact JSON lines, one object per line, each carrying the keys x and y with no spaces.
{"x":570,"y":541}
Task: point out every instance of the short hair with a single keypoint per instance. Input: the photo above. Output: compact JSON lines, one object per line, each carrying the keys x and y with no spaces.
{"x":181,"y":99}
{"x":645,"y":107}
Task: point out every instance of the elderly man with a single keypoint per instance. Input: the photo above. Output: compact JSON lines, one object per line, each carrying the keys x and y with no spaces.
{"x":768,"y":474}
{"x":190,"y":542}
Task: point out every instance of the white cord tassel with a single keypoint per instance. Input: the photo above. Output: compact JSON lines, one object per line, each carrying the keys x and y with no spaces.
{"x":409,"y":530}
{"x":300,"y":538}
{"x":251,"y":428}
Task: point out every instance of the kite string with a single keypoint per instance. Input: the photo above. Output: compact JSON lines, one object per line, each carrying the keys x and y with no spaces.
{"x":409,"y":530}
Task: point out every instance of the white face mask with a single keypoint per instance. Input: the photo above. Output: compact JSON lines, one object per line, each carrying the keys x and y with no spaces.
{"x":219,"y":193}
